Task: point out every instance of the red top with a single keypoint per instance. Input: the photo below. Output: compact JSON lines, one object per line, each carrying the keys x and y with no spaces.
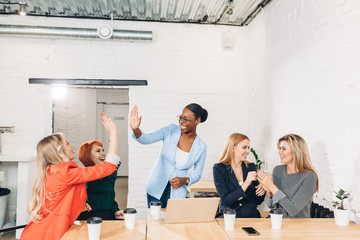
{"x":65,"y":198}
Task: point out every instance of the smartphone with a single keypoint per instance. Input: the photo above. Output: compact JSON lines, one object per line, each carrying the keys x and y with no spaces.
{"x":251,"y":231}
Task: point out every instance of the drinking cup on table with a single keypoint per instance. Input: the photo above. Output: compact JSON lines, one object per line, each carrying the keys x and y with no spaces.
{"x":276,"y":216}
{"x":130,"y":218}
{"x":155,"y":209}
{"x":229,"y":218}
{"x":94,"y":228}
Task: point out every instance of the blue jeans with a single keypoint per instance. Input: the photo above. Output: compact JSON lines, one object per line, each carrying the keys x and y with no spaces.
{"x":164,"y":197}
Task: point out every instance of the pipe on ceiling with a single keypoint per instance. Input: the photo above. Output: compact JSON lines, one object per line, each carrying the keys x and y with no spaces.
{"x":36,"y":31}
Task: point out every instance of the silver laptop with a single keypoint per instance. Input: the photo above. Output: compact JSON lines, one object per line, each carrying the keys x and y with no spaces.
{"x":191,"y":210}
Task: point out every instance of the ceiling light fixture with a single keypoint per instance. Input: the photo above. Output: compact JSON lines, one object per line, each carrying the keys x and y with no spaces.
{"x":22,"y":8}
{"x":106,"y":31}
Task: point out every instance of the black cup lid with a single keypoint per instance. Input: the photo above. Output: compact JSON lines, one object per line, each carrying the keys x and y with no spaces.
{"x":94,"y":220}
{"x":130,"y":210}
{"x":276,"y":211}
{"x":4,"y":191}
{"x":155,"y":203}
{"x":229,"y":211}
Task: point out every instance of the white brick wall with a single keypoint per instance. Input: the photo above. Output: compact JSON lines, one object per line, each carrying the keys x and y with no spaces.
{"x":312,"y":71}
{"x":186,"y":70}
{"x":183,"y":64}
{"x":75,"y":117}
{"x":257,"y":86}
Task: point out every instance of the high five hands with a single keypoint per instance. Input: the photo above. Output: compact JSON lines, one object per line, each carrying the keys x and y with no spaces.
{"x":108,"y":123}
{"x":135,"y":120}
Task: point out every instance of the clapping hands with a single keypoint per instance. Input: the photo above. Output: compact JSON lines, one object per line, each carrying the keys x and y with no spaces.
{"x":251,"y":176}
{"x":260,"y":190}
{"x":266,"y":181}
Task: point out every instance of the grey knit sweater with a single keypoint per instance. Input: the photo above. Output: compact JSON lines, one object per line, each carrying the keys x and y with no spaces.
{"x":295,"y":192}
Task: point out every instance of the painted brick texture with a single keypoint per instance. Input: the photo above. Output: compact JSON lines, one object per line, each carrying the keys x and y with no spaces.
{"x":183,"y":64}
{"x":313,"y":88}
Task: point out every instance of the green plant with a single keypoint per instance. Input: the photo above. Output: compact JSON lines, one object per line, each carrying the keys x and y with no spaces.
{"x":341,"y":195}
{"x":258,"y":161}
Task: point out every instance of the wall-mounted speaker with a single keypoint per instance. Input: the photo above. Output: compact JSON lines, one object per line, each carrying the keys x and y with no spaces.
{"x":228,"y":40}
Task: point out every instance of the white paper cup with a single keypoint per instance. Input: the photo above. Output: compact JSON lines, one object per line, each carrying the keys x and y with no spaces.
{"x":94,"y":228}
{"x":276,"y":216}
{"x":130,"y":218}
{"x":229,"y":218}
{"x":155,"y":210}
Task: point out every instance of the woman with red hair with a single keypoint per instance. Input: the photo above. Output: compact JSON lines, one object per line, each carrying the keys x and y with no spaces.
{"x":100,"y":193}
{"x":59,"y":192}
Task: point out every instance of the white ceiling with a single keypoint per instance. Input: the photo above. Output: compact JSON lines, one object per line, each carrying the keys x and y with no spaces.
{"x":229,"y":12}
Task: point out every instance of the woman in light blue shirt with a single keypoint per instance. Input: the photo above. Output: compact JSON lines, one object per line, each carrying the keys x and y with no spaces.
{"x":182,"y":149}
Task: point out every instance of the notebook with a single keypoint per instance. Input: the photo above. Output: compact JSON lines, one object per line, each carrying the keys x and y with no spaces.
{"x":191,"y":210}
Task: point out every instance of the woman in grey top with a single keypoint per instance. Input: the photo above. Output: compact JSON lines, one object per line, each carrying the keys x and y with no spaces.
{"x":293,"y":184}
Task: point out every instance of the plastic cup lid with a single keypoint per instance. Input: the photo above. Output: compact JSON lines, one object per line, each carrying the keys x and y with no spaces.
{"x":276,"y":211}
{"x":155,"y":203}
{"x":94,"y":220}
{"x":4,"y":191}
{"x":229,"y":211}
{"x":130,"y":211}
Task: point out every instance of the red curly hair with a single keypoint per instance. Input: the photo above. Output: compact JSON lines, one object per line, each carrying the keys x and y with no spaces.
{"x":84,"y":153}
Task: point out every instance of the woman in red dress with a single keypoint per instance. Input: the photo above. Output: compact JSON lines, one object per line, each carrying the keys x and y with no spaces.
{"x":59,"y":192}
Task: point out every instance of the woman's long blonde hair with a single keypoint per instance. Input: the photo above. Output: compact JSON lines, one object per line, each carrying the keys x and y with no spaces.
{"x":300,"y":154}
{"x":227,"y":155}
{"x":49,"y":152}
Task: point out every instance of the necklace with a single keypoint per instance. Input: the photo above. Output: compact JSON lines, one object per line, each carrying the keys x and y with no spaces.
{"x":238,"y":174}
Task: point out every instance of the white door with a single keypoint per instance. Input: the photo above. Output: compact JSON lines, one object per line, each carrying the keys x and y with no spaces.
{"x":119,"y":114}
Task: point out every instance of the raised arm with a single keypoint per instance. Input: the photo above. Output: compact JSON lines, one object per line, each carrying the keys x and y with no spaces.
{"x":74,"y":175}
{"x":135,"y":121}
{"x":111,"y":127}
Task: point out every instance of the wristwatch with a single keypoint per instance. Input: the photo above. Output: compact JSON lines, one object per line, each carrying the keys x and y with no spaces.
{"x":187,"y":180}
